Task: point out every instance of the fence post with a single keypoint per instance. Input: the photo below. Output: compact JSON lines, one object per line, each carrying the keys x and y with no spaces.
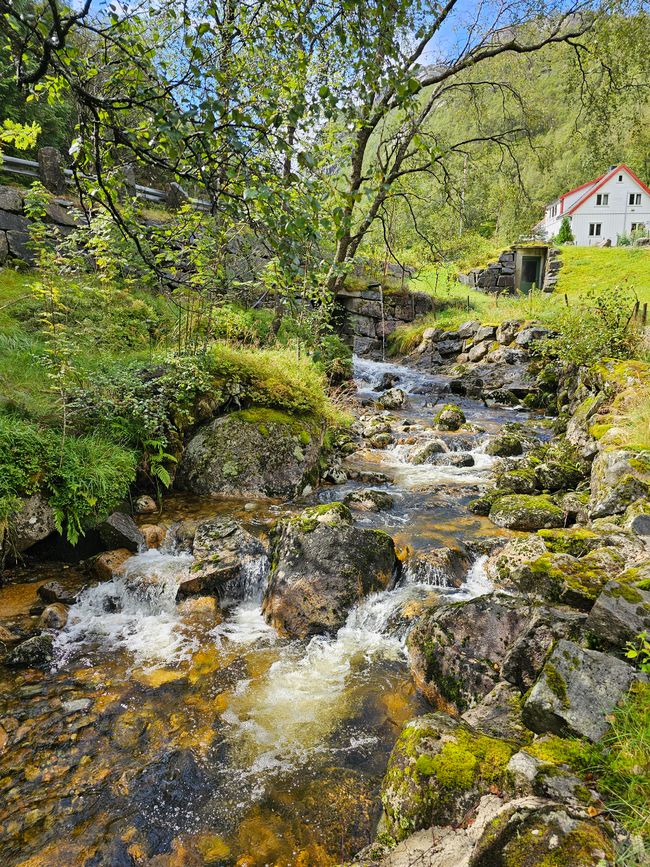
{"x":644,"y":317}
{"x":175,"y":196}
{"x":50,"y":170}
{"x":566,"y":299}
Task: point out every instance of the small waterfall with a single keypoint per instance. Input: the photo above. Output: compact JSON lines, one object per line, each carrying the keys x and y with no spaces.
{"x":422,"y":572}
{"x":251,"y":582}
{"x":135,"y":611}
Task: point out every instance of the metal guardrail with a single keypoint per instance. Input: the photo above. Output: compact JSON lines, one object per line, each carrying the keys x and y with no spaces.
{"x":30,"y":169}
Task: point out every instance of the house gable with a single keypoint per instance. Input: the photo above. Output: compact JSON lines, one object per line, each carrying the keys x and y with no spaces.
{"x":601,"y":182}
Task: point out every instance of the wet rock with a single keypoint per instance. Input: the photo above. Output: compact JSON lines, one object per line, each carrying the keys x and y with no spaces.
{"x":121,"y":531}
{"x":154,"y":535}
{"x":322,"y":565}
{"x":33,"y":521}
{"x":252,"y":452}
{"x":52,"y":591}
{"x":128,"y":728}
{"x":439,"y":567}
{"x":526,"y":512}
{"x":181,"y":535}
{"x":454,"y":459}
{"x":437,"y":772}
{"x":368,"y":478}
{"x":505,"y":445}
{"x":55,"y":616}
{"x":76,"y":705}
{"x":394,"y":398}
{"x":382,"y":440}
{"x":618,"y":479}
{"x":519,"y":481}
{"x":455,"y":653}
{"x":421,"y":454}
{"x":34,"y":652}
{"x":499,"y":714}
{"x":145,"y":505}
{"x":577,"y":691}
{"x":335,"y":473}
{"x":369,"y":500}
{"x":450,"y":418}
{"x":619,"y":615}
{"x":108,"y":563}
{"x":9,"y":638}
{"x":222,"y":550}
{"x":387,"y":381}
{"x":570,"y":580}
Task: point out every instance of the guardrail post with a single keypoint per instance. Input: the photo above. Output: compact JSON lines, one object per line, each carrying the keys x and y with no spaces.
{"x":175,"y":196}
{"x":51,"y":170}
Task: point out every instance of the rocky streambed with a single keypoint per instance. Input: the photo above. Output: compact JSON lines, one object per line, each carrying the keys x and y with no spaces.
{"x":379,"y":670}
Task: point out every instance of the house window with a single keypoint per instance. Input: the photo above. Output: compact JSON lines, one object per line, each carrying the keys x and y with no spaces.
{"x":620,"y":178}
{"x":602,"y":199}
{"x":635,"y":199}
{"x":635,"y":226}
{"x":594,"y":230}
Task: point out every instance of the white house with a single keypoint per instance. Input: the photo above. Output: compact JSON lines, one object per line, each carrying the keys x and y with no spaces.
{"x":616,"y":203}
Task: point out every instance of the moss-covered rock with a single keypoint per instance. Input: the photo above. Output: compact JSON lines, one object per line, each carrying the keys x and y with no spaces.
{"x":450,"y":417}
{"x":566,"y":579}
{"x":369,"y":500}
{"x":321,"y":566}
{"x":619,"y":477}
{"x":515,"y":553}
{"x":621,"y":612}
{"x":505,"y":445}
{"x":253,"y":452}
{"x":526,"y":512}
{"x":437,"y":772}
{"x":576,"y":541}
{"x":518,"y":481}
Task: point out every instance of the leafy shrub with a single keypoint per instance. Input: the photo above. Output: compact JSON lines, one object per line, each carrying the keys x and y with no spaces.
{"x":82,"y":478}
{"x":600,"y":327}
{"x":243,"y":325}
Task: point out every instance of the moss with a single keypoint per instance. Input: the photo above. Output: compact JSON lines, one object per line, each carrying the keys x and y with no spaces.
{"x":575,"y":753}
{"x":263,"y":418}
{"x":556,"y":683}
{"x":599,"y":430}
{"x":561,"y":578}
{"x":326,"y":513}
{"x":471,"y":758}
{"x":545,"y":843}
{"x":625,"y":591}
{"x":449,"y":687}
{"x":230,"y":470}
{"x":575,"y":541}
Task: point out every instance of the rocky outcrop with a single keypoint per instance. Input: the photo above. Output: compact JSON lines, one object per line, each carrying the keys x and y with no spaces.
{"x":618,"y":479}
{"x":321,"y":565}
{"x":223,"y":551}
{"x":620,"y":613}
{"x":577,"y":691}
{"x":253,"y":452}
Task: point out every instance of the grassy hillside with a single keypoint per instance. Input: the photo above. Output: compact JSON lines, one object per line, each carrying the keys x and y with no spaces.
{"x":598,"y":268}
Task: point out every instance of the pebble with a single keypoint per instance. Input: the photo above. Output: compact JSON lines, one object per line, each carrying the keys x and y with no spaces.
{"x":76,"y":705}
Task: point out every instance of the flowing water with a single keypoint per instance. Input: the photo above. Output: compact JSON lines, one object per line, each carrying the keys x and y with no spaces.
{"x":192,"y":734}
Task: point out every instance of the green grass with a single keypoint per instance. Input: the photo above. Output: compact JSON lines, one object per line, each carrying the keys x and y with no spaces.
{"x":597,"y":268}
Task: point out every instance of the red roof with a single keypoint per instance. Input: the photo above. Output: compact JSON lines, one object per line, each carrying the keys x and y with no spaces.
{"x":596,"y":184}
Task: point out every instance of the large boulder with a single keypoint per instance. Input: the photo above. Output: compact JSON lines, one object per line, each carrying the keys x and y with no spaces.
{"x":394,"y":398}
{"x":577,"y":691}
{"x":499,"y":714}
{"x":255,"y":452}
{"x":437,"y":772}
{"x":505,"y":445}
{"x":322,"y":566}
{"x":618,"y":479}
{"x":33,"y":521}
{"x":621,"y":612}
{"x":121,"y":531}
{"x":456,"y":651}
{"x":224,"y":554}
{"x":569,"y":580}
{"x":503,"y":562}
{"x":423,"y":454}
{"x":526,"y":512}
{"x":450,"y":417}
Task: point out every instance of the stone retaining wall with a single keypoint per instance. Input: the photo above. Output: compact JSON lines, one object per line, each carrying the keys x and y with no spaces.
{"x":366,"y":317}
{"x":14,"y":224}
{"x":500,"y":276}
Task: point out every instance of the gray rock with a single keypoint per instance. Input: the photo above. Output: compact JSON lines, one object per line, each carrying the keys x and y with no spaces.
{"x":576,"y":692}
{"x":485,"y":332}
{"x":528,"y":336}
{"x":31,"y":523}
{"x":13,"y":222}
{"x":76,"y":705}
{"x":621,"y":612}
{"x":121,"y":531}
{"x":4,"y":248}
{"x":34,"y":652}
{"x":18,"y":242}
{"x":456,"y":652}
{"x":251,"y":453}
{"x":422,"y":454}
{"x":369,"y":500}
{"x":11,"y":199}
{"x":504,"y":445}
{"x":526,"y":512}
{"x":322,"y":566}
{"x":224,"y":555}
{"x":438,"y":567}
{"x":618,"y":478}
{"x":52,"y":591}
{"x":506,"y":332}
{"x":469,"y":329}
{"x":479,"y":351}
{"x":55,"y":616}
{"x":394,"y":398}
{"x":450,"y":418}
{"x":498,"y":714}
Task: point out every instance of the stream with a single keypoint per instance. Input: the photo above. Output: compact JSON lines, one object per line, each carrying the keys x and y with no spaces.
{"x":171,"y":734}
